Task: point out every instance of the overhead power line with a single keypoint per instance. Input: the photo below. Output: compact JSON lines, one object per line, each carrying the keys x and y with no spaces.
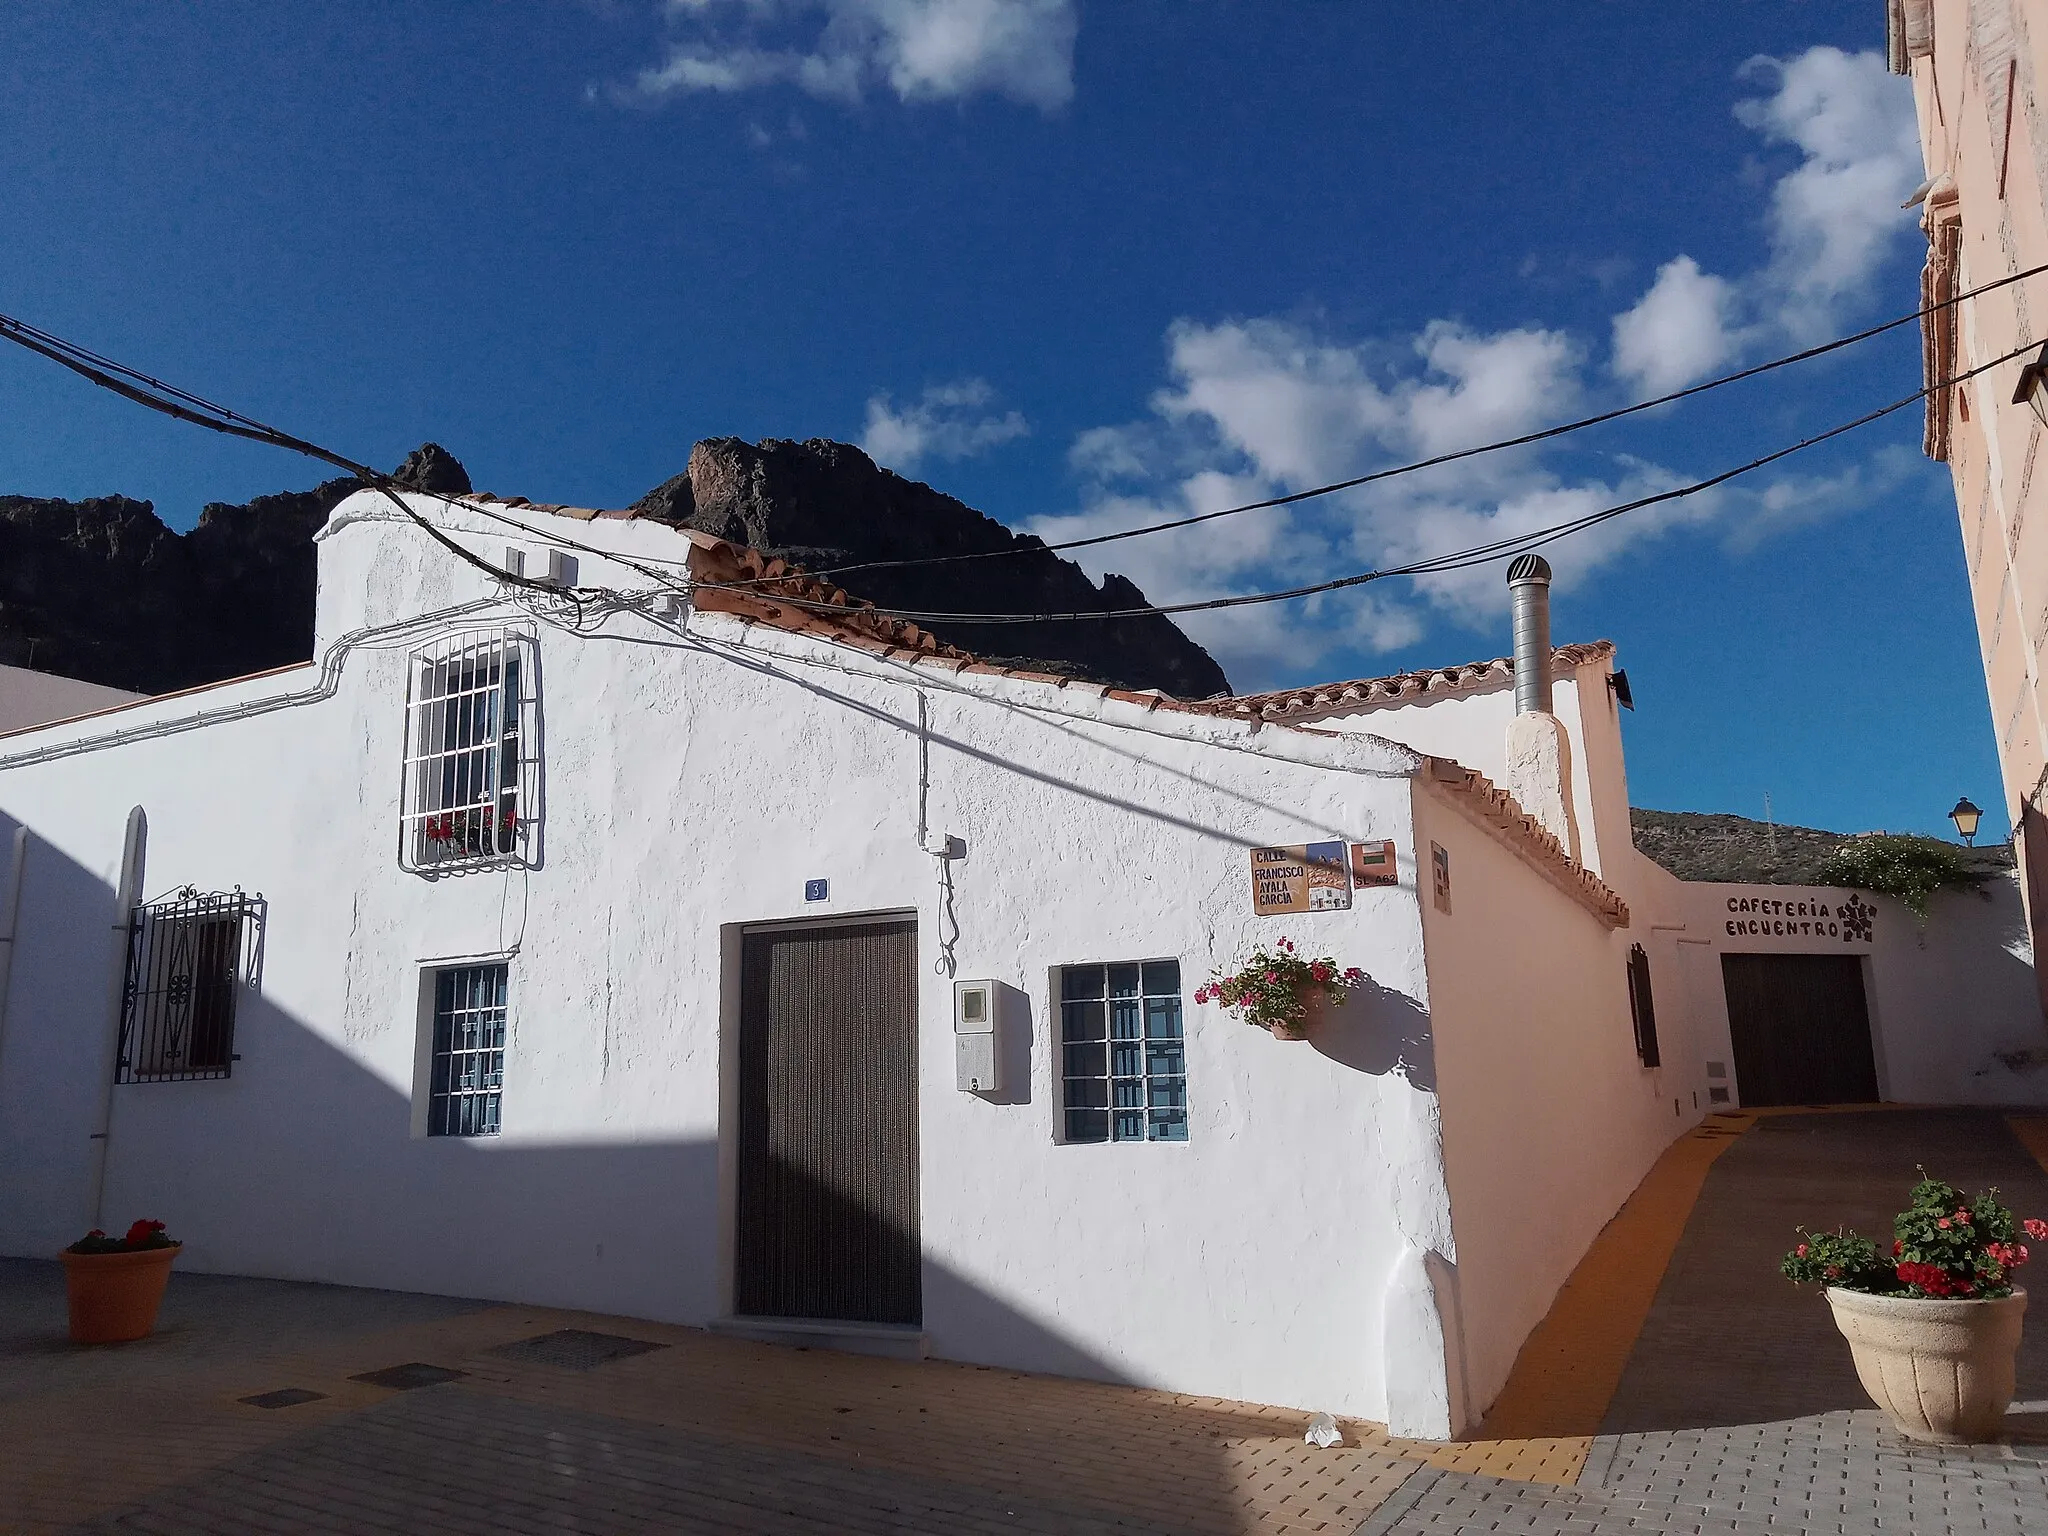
{"x":1437,"y":460}
{"x":185,"y":406}
{"x":200,"y":412}
{"x":1479,"y":554}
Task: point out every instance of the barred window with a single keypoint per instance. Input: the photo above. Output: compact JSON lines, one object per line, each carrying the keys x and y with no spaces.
{"x":469,"y":1051}
{"x":187,"y":960}
{"x":1123,"y":1063}
{"x":469,"y":753}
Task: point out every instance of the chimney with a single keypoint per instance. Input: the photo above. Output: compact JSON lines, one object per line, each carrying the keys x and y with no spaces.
{"x":1529,"y":592}
{"x":1539,"y":751}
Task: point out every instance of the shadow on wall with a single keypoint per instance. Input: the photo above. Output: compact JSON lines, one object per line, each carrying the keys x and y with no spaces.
{"x":1378,"y":1031}
{"x":304,"y":1164}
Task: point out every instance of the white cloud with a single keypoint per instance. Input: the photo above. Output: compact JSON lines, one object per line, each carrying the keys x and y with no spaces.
{"x":1259,"y":408}
{"x":1679,"y":332}
{"x":950,"y":421}
{"x":1833,"y":219}
{"x":1834,"y":216}
{"x":922,"y":50}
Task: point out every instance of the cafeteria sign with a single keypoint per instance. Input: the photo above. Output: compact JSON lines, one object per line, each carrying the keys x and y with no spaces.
{"x":1308,"y":878}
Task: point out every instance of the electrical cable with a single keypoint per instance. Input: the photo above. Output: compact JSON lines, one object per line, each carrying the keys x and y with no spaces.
{"x":1450,"y":561}
{"x":1396,"y":470}
{"x":166,"y":398}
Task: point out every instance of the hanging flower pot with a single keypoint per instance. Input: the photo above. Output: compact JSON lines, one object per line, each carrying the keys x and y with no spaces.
{"x":114,"y":1285}
{"x":1280,"y":992}
{"x":1933,"y":1327}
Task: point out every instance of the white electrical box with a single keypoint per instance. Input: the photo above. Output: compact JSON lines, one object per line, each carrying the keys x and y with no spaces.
{"x":984,"y":1014}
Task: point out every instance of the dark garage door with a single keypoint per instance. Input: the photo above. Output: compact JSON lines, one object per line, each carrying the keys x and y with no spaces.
{"x":827,"y":1222}
{"x":1801,"y":1029}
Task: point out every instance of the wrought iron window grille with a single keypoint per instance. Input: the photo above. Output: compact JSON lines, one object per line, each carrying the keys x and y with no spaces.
{"x":471,"y":790}
{"x":189,"y":959}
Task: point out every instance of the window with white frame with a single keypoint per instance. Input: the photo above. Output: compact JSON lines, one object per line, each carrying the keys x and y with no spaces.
{"x":1123,"y":1061}
{"x":466,"y":1077}
{"x":469,"y":752}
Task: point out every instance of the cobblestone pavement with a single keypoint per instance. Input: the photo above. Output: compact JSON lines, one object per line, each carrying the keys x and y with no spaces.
{"x":1717,"y":1399}
{"x":1738,"y":1409}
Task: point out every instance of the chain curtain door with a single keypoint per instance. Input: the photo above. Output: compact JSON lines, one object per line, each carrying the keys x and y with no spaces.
{"x":827,"y":1213}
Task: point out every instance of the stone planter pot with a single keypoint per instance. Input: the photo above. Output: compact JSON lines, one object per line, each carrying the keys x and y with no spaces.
{"x":114,"y":1296}
{"x":1941,"y":1369}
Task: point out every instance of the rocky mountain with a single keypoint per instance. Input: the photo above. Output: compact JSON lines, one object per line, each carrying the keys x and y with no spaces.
{"x":101,"y":590}
{"x":823,"y":505}
{"x":1697,"y":846}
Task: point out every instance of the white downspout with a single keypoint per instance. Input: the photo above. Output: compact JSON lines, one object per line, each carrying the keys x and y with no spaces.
{"x":15,"y":868}
{"x":134,"y":849}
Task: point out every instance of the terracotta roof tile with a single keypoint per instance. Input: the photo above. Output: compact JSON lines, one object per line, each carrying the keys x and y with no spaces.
{"x":1378,"y":692}
{"x":719,"y":566}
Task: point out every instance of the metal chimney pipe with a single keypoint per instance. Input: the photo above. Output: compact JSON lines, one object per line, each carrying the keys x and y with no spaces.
{"x":1529,"y":592}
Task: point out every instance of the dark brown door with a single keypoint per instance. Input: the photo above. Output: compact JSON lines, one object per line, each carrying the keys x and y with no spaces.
{"x":827,"y":1200}
{"x":1801,"y":1029}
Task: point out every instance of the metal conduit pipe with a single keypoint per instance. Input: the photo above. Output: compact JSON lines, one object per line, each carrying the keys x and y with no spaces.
{"x":1529,"y":592}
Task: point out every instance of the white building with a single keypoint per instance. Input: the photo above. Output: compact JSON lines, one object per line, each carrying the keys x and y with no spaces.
{"x":607,"y":951}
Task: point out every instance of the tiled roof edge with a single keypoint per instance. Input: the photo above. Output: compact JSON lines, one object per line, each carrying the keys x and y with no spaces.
{"x":1399,"y":687}
{"x":1496,"y":810}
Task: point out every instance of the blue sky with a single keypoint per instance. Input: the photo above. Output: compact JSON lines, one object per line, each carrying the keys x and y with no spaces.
{"x":1079,"y":263}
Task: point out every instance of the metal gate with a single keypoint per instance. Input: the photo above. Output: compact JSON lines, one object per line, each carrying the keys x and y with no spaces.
{"x":1801,"y":1029}
{"x":827,"y":1213}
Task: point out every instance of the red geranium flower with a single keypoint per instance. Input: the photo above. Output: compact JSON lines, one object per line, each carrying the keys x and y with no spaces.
{"x":142,"y":1232}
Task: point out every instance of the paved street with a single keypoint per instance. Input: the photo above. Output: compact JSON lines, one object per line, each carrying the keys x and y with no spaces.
{"x":1678,"y":1386}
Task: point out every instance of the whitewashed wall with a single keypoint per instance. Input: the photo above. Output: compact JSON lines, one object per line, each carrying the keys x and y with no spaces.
{"x":1955,"y":1017}
{"x":1549,"y":1119}
{"x":693,"y":783}
{"x":1470,"y":727}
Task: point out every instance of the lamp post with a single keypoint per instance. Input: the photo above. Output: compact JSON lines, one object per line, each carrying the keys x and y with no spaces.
{"x":1966,"y":817}
{"x":2033,"y":386}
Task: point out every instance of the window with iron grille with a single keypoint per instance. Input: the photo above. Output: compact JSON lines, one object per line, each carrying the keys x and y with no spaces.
{"x":1642,"y":1008}
{"x":468,"y":1071}
{"x":469,"y":753}
{"x":188,"y":959}
{"x":1123,"y":1063}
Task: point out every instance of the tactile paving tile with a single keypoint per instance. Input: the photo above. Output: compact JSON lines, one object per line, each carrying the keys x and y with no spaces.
{"x":283,"y":1397}
{"x":403,"y":1378}
{"x":573,"y":1349}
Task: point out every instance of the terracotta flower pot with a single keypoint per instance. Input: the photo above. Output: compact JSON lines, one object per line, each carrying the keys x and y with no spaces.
{"x":1942,"y":1369}
{"x":114,"y":1296}
{"x":1315,"y":1007}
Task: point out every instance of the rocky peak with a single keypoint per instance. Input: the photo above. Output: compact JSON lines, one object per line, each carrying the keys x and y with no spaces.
{"x":101,"y":590}
{"x":822,"y":504}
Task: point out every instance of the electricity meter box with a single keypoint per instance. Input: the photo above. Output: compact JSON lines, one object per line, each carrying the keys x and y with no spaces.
{"x":985,"y":1014}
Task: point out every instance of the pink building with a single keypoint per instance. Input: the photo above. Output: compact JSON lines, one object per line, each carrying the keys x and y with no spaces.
{"x":1977,"y":67}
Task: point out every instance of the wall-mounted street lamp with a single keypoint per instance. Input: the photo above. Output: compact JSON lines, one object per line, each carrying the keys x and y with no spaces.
{"x":2033,"y":386}
{"x":1966,"y":816}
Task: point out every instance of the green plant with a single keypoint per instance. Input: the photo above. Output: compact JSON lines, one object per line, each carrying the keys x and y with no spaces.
{"x":1908,"y":869}
{"x":142,"y":1235}
{"x":1941,"y":1246}
{"x":1272,"y":989}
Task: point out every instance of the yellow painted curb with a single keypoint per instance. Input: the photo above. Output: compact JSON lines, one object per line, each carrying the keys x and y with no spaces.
{"x":1569,"y":1368}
